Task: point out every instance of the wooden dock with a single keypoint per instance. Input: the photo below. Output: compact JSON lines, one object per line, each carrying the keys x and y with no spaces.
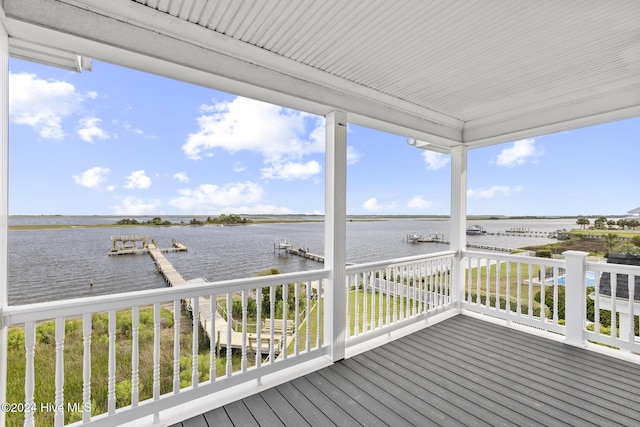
{"x":171,"y":276}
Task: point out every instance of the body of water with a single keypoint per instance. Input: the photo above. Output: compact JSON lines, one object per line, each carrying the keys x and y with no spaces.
{"x":46,"y":265}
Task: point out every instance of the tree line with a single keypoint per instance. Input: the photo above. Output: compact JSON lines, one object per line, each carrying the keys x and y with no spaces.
{"x":602,"y":223}
{"x":219,"y":220}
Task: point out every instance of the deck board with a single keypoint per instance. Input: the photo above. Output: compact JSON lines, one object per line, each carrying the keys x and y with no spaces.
{"x":462,"y":371}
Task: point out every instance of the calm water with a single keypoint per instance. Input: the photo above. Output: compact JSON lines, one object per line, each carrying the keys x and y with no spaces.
{"x":47,"y":265}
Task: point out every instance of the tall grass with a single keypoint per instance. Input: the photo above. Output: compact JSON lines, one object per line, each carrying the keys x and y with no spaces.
{"x":45,"y":360}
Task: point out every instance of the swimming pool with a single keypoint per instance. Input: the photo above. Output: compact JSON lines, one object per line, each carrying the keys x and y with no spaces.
{"x":589,"y":279}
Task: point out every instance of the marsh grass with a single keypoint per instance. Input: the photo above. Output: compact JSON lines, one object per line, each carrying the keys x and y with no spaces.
{"x":45,"y":362}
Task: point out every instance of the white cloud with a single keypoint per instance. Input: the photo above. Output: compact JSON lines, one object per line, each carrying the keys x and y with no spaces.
{"x":131,"y":129}
{"x":41,"y":104}
{"x":519,"y":153}
{"x":258,"y":210}
{"x":238,"y":167}
{"x":353,"y":155}
{"x":181,"y":177}
{"x":495,"y":191}
{"x":419,"y":202}
{"x":372,"y":205}
{"x":88,"y":129}
{"x":138,"y":179}
{"x":292,"y":170}
{"x":435,"y":160}
{"x":92,"y":178}
{"x":133,"y":206}
{"x":282,"y":136}
{"x":92,"y":95}
{"x":212,"y":198}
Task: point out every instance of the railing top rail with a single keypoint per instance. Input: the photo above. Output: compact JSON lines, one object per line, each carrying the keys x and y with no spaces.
{"x":73,"y":307}
{"x":515,"y":258}
{"x":357,"y":268}
{"x":617,"y":268}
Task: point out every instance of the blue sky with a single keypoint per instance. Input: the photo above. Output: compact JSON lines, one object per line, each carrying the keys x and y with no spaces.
{"x":115,"y":141}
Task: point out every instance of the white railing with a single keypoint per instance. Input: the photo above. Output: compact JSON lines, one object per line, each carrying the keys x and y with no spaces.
{"x":620,"y":330}
{"x":389,"y":294}
{"x":562,"y":296}
{"x":118,"y":358}
{"x":113,"y":359}
{"x":516,"y":288}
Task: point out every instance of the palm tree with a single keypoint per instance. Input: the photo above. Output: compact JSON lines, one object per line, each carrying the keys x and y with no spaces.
{"x":611,"y":240}
{"x":583,"y":222}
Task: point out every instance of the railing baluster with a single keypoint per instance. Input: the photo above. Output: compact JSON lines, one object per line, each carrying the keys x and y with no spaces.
{"x":135,"y":355}
{"x":229,"y":321}
{"x":530,"y":291}
{"x":487,"y":301}
{"x":213,"y":341}
{"x":319,"y":313}
{"x":388,"y":314}
{"x":555,"y":295}
{"x":365,"y":308}
{"x":631,"y":316}
{"x":519,"y":288}
{"x":307,"y":338}
{"x":356,"y":323}
{"x":156,"y":357}
{"x":272,"y":315}
{"x":347,"y":304}
{"x":614,"y":308}
{"x":29,"y":377}
{"x":285,"y":315}
{"x":195,"y":306}
{"x":543,"y":276}
{"x":259,"y":329}
{"x":86,"y":367}
{"x":374,"y":295}
{"x":176,"y":346}
{"x":596,"y":309}
{"x":59,"y":397}
{"x":507,"y":304}
{"x":243,"y":351}
{"x":296,"y":321}
{"x":111,"y":392}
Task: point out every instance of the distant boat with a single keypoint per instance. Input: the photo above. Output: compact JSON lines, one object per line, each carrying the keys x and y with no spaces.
{"x":474,"y":230}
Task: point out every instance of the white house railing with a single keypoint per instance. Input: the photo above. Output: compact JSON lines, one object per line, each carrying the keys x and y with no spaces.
{"x":155,"y":350}
{"x":562,"y":296}
{"x":134,"y":345}
{"x":393,"y":293}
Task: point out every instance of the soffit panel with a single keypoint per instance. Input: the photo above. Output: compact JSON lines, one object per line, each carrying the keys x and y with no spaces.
{"x":480,"y":66}
{"x":457,"y":58}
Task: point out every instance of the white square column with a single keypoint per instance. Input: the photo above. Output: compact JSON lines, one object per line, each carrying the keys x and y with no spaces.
{"x":4,"y":206}
{"x":458,"y":225}
{"x":335,"y":229}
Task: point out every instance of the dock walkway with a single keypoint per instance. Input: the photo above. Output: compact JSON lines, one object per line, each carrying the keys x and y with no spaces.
{"x":170,"y":274}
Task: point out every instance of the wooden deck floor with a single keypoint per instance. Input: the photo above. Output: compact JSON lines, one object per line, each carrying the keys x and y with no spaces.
{"x":461,"y":372}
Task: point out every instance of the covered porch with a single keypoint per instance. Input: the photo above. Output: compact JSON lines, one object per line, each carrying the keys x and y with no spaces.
{"x":462,"y":371}
{"x":451,"y":77}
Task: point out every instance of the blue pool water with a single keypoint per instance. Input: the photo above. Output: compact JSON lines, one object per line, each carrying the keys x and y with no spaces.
{"x":589,"y":279}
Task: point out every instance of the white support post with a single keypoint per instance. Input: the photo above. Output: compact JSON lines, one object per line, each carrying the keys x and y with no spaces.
{"x":575,"y":297}
{"x":458,"y":224}
{"x":4,"y":206}
{"x":335,"y":220}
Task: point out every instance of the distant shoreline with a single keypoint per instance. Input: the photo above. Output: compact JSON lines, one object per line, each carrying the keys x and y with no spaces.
{"x":84,"y":220}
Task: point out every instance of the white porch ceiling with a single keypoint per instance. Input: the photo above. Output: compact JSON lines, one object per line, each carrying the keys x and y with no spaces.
{"x":441,"y":71}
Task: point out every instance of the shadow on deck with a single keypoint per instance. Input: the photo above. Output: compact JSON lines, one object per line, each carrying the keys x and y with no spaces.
{"x":461,"y":371}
